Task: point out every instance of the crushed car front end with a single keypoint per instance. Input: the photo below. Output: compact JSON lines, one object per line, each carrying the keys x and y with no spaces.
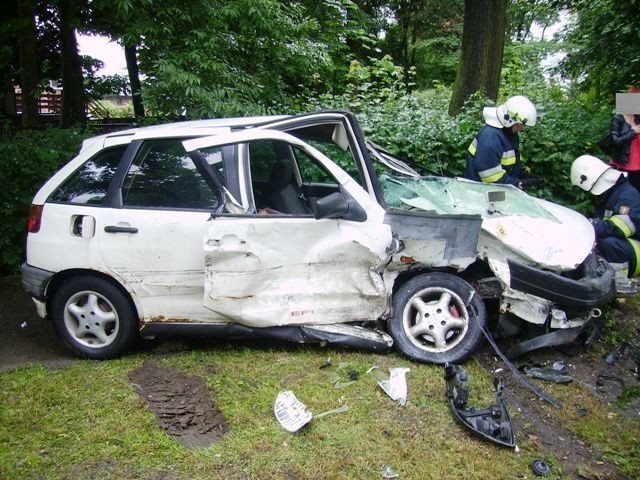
{"x":534,"y":256}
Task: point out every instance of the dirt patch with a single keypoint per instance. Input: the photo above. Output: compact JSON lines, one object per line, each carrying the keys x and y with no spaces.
{"x":534,"y":423}
{"x":182,"y":404}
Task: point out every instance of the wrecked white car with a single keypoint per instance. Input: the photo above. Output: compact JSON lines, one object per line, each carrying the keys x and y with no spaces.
{"x":280,"y":227}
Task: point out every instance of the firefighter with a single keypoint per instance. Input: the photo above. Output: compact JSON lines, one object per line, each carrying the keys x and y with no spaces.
{"x":494,"y":155}
{"x":617,"y":222}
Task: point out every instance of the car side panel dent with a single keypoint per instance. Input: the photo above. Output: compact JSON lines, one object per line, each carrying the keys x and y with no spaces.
{"x":330,"y":272}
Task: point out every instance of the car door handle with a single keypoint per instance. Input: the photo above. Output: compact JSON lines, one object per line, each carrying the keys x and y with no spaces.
{"x":118,"y":229}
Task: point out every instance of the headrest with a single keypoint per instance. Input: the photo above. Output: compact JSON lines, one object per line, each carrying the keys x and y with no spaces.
{"x":281,"y":175}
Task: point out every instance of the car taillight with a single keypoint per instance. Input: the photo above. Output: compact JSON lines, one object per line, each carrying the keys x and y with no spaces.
{"x":35,"y":216}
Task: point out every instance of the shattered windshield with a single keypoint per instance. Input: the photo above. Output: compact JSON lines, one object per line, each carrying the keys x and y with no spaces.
{"x":403,"y":187}
{"x":456,"y":196}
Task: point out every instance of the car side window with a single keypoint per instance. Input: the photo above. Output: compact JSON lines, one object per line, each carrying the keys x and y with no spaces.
{"x":310,"y":171}
{"x":89,"y":184}
{"x":163,"y":176}
{"x":321,"y":137}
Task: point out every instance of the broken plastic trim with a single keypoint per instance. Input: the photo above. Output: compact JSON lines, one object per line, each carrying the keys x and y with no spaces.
{"x":567,"y":336}
{"x":352,"y":336}
{"x":290,"y":412}
{"x":492,"y":423}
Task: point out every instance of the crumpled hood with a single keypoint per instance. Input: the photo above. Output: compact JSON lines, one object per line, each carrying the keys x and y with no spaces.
{"x":558,"y":245}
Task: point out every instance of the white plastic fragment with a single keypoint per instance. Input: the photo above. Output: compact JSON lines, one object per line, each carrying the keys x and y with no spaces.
{"x":387,"y":472}
{"x":291,"y":412}
{"x":396,"y":385}
{"x":23,"y":325}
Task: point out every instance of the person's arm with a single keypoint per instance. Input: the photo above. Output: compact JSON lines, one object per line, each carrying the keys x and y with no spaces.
{"x":488,"y":164}
{"x":617,"y":126}
{"x":625,"y":222}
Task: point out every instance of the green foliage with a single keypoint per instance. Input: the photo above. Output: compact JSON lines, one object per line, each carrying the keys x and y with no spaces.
{"x":28,"y":160}
{"x":627,"y":396}
{"x":215,"y":58}
{"x":417,"y":126}
{"x":425,"y":35}
{"x":106,"y":109}
{"x":603,"y":44}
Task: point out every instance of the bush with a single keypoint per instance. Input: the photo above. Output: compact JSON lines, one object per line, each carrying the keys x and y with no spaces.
{"x":417,"y":126}
{"x":26,"y":162}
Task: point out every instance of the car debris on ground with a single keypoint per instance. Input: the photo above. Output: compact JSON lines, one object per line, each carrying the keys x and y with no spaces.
{"x":292,"y":414}
{"x":492,"y":423}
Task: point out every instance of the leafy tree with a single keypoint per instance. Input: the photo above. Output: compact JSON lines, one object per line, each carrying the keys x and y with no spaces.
{"x":425,"y":35}
{"x":482,"y":49}
{"x":603,"y":40}
{"x":213,"y":57}
{"x":522,"y":14}
{"x":123,"y":22}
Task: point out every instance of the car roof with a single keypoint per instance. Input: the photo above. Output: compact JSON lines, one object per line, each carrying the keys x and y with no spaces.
{"x":181,"y":129}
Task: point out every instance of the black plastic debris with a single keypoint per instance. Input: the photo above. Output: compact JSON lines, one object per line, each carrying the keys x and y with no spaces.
{"x":540,"y":467}
{"x":610,"y":358}
{"x":326,"y":364}
{"x":492,"y":423}
{"x":624,"y":350}
{"x":602,"y":378}
{"x":547,"y":374}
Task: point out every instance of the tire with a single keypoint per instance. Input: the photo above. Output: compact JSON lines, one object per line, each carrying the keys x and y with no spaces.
{"x":93,"y":317}
{"x":437,"y":318}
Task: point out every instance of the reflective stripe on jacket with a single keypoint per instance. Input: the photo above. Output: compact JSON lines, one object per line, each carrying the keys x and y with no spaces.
{"x":494,"y":156}
{"x":619,"y":216}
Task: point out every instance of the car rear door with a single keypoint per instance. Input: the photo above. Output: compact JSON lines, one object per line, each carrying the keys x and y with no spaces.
{"x":291,"y":268}
{"x":150,"y":236}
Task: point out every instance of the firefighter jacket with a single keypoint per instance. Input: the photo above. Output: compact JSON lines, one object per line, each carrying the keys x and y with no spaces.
{"x":494,"y":156}
{"x":618,"y":215}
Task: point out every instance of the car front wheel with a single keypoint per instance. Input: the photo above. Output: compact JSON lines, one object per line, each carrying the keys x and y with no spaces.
{"x":437,"y":318}
{"x":93,"y":317}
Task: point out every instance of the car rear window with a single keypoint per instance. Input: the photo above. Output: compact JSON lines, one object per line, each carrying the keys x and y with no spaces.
{"x":89,"y":184}
{"x":164,"y":176}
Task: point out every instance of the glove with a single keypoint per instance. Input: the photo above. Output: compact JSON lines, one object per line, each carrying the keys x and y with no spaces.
{"x":532,"y":182}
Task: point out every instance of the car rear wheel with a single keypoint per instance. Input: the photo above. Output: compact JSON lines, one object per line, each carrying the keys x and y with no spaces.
{"x":93,"y":317}
{"x":437,"y":318}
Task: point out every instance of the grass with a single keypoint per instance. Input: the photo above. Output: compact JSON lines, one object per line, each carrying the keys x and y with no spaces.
{"x":86,"y":420}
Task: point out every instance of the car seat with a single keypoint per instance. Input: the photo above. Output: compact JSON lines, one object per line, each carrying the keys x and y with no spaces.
{"x":284,"y":193}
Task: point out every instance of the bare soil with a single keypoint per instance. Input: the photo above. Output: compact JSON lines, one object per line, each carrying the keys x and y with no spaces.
{"x":182,"y":404}
{"x":532,"y":422}
{"x":185,"y":408}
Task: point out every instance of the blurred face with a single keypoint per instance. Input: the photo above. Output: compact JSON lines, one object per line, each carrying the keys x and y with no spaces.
{"x":517,"y":128}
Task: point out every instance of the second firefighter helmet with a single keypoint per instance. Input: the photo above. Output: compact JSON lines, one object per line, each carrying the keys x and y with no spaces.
{"x":593,"y":175}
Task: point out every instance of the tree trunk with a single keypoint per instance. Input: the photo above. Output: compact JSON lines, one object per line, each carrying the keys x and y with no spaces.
{"x":28,"y":64}
{"x":73,"y":94}
{"x":482,"y":48}
{"x":131,"y":57}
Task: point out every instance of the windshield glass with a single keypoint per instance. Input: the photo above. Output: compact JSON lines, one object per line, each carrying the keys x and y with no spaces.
{"x":456,"y":196}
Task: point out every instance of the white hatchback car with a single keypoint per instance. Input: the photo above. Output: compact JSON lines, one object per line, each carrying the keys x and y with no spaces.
{"x":274,"y":227}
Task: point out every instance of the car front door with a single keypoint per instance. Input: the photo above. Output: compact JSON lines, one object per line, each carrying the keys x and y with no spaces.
{"x":268,"y":268}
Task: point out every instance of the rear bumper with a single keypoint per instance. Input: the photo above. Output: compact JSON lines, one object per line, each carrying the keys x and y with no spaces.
{"x":35,"y":280}
{"x":596,"y":286}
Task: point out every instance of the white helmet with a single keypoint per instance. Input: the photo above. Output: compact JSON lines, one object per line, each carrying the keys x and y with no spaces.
{"x":593,"y":175}
{"x":517,"y":109}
